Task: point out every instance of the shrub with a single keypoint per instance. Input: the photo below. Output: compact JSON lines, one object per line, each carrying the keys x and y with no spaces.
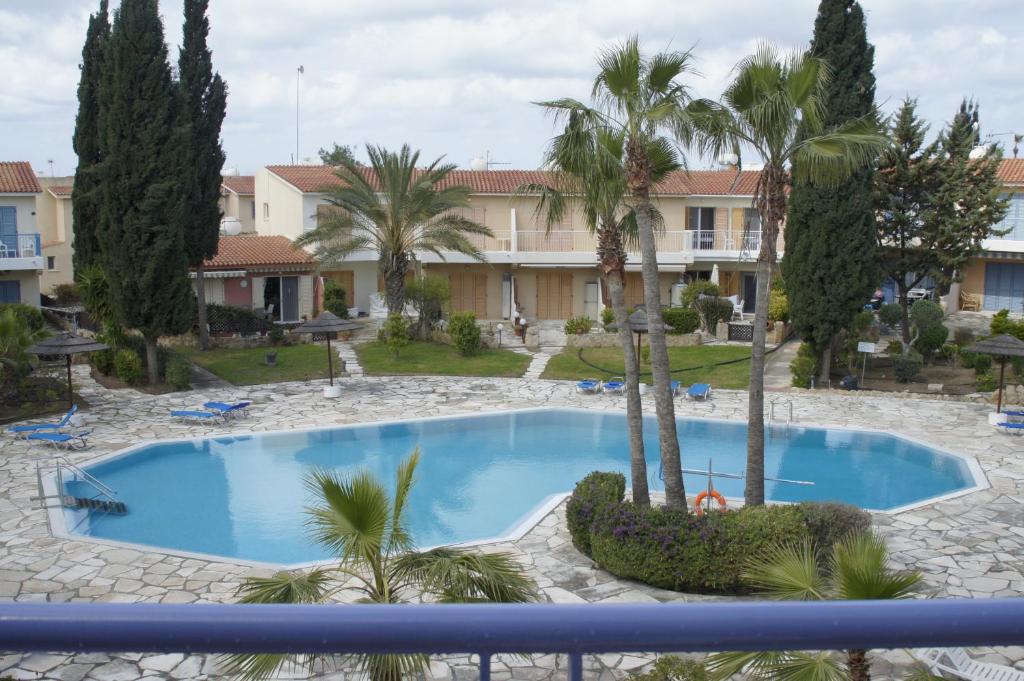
{"x":925,"y":313}
{"x":65,"y":294}
{"x":930,"y":339}
{"x":276,"y":334}
{"x":672,"y":668}
{"x":805,"y":366}
{"x":596,"y":490}
{"x":128,"y":366}
{"x":464,"y":332}
{"x":830,"y":522}
{"x":31,"y":316}
{"x":1001,"y":323}
{"x":891,"y":314}
{"x":607,"y":318}
{"x":179,"y":373}
{"x":429,"y":296}
{"x":681,"y":319}
{"x":894,"y":348}
{"x":712,"y":311}
{"x":907,"y":367}
{"x":972,"y":360}
{"x":778,"y":306}
{"x":986,"y":382}
{"x":963,"y":336}
{"x":700,"y":287}
{"x":396,"y":333}
{"x":103,"y":360}
{"x":137,"y":344}
{"x":335,"y":298}
{"x":578,"y":325}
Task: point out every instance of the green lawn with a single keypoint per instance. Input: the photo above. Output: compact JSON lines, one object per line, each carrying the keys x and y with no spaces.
{"x":248,"y":366}
{"x":420,"y":358}
{"x":567,"y":365}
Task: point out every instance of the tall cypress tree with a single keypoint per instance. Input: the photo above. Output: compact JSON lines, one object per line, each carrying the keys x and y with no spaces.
{"x":142,"y":239}
{"x":829,"y":264}
{"x":204,"y":97}
{"x":86,"y":196}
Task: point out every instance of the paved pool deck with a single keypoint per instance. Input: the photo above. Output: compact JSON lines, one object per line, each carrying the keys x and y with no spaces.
{"x":969,"y":546}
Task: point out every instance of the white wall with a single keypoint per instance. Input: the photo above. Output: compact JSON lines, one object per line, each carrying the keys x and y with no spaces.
{"x":26,"y":210}
{"x":285,"y":203}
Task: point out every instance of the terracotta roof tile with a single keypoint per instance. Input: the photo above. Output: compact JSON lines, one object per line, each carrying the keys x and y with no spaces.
{"x":1011,"y":171}
{"x":240,"y":184}
{"x":17,"y":177}
{"x":250,"y":250}
{"x":60,"y":191}
{"x":703,"y":182}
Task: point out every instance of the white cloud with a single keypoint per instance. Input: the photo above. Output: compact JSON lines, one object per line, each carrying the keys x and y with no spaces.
{"x":457,"y":77}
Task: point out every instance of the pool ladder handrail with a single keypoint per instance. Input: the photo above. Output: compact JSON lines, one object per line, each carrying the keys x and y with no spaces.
{"x":61,"y":464}
{"x":780,"y":400}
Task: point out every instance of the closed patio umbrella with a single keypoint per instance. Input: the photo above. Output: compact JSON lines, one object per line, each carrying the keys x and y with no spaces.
{"x":327,"y":323}
{"x":66,"y":344}
{"x":1001,"y":346}
{"x":714,"y":275}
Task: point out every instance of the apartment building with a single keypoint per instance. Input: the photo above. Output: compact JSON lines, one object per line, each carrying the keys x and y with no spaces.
{"x":56,"y":228}
{"x":238,"y":201}
{"x":995,"y":280}
{"x":543,"y":274}
{"x":21,"y":260}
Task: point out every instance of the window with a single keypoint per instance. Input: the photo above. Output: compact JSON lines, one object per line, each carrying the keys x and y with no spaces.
{"x":10,"y":291}
{"x":51,"y":262}
{"x":1014,"y":220}
{"x":701,"y":218}
{"x":252,"y":206}
{"x":266,"y":210}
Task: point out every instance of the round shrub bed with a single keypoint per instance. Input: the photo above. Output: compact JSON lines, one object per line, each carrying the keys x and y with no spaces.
{"x":674,"y":549}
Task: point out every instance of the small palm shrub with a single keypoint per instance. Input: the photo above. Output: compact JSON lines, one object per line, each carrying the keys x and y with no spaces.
{"x":335,"y":298}
{"x":681,"y":319}
{"x":607,"y":318}
{"x":577,"y":326}
{"x":396,"y":334}
{"x":464,"y":332}
{"x":179,"y":373}
{"x":672,"y":668}
{"x":128,"y":366}
{"x":31,"y":317}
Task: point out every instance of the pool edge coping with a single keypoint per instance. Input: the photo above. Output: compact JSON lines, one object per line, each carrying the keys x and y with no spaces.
{"x":56,"y":516}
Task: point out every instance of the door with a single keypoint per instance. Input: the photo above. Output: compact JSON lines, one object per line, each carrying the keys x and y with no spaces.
{"x":554,"y":295}
{"x":469,"y":293}
{"x":633,"y":289}
{"x":289,"y":299}
{"x":10,"y":291}
{"x":1004,"y":286}
{"x":749,"y":292}
{"x":590,"y":300}
{"x":9,"y":229}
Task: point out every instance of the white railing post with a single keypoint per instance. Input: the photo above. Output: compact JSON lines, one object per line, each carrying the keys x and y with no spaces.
{"x":513,"y":242}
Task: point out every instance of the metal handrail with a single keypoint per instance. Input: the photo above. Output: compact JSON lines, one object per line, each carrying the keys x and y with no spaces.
{"x":62,"y":462}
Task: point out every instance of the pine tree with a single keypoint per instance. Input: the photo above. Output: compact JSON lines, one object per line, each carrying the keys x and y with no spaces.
{"x":86,"y":195}
{"x":142,"y":239}
{"x":203,"y":97}
{"x":829,"y":266}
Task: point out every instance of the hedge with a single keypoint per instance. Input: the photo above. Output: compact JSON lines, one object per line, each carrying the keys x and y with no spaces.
{"x":677,"y":550}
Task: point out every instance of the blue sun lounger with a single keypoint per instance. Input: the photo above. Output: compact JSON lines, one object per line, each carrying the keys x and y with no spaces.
{"x":79,"y":440}
{"x":1013,"y":428}
{"x":236,"y":409}
{"x":25,"y":431}
{"x":195,"y":415}
{"x":699,"y":391}
{"x":589,"y":386}
{"x":675,"y":387}
{"x":616,"y":386}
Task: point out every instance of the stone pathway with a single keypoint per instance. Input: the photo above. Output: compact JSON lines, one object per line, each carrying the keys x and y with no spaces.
{"x":347,"y":353}
{"x":203,"y":379}
{"x":970,"y":546}
{"x":777,"y":376}
{"x":539,"y":362}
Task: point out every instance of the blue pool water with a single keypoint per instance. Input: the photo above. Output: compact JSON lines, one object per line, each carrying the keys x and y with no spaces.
{"x":243,"y":496}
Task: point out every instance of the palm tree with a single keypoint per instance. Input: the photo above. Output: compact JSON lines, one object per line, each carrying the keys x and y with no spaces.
{"x":355,"y":518}
{"x":774,"y":109}
{"x":639,"y":98}
{"x":587,"y":163}
{"x":16,"y":336}
{"x":397,"y":210}
{"x":856,"y":569}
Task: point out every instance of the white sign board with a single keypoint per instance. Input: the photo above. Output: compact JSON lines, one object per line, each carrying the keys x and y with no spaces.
{"x":865,"y":346}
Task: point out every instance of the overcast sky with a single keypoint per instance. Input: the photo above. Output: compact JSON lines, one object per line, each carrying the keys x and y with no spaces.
{"x":456,"y":77}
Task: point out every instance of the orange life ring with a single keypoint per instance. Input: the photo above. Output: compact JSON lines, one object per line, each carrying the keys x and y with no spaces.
{"x":704,"y":495}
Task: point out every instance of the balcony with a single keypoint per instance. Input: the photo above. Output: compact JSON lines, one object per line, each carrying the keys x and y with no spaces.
{"x":489,"y":630}
{"x":21,"y":252}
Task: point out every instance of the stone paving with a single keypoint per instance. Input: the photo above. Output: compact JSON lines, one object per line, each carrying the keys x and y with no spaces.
{"x":970,"y":546}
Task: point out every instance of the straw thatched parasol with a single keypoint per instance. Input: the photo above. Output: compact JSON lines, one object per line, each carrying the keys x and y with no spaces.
{"x":66,"y":344}
{"x":327,"y":323}
{"x":639,"y":324}
{"x":1001,"y":346}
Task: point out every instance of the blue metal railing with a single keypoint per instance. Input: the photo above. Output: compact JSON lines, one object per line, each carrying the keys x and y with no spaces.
{"x":20,"y":245}
{"x":487,"y":630}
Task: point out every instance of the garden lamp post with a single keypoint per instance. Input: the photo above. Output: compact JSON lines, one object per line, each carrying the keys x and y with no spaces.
{"x":501,"y":327}
{"x":66,"y":344}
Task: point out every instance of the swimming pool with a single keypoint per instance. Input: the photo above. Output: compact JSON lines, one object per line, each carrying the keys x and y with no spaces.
{"x":480,"y":476}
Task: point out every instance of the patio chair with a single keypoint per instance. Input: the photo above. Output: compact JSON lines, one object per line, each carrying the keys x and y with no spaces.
{"x":196,"y":415}
{"x":588,"y":386}
{"x":79,"y":440}
{"x":970,"y":302}
{"x":616,"y":386}
{"x":25,"y":431}
{"x":1012,"y":427}
{"x":699,"y":391}
{"x":957,"y":662}
{"x":229,"y":410}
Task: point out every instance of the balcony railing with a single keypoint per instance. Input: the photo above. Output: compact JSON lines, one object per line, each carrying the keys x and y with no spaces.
{"x":20,"y":246}
{"x":498,"y":242}
{"x":488,"y":630}
{"x":555,"y":242}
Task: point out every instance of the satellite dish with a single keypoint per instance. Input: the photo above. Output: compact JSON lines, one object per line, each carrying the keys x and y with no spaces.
{"x":728,"y":159}
{"x":978,"y":152}
{"x":231,"y":226}
{"x":230,"y":172}
{"x":478,"y":163}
